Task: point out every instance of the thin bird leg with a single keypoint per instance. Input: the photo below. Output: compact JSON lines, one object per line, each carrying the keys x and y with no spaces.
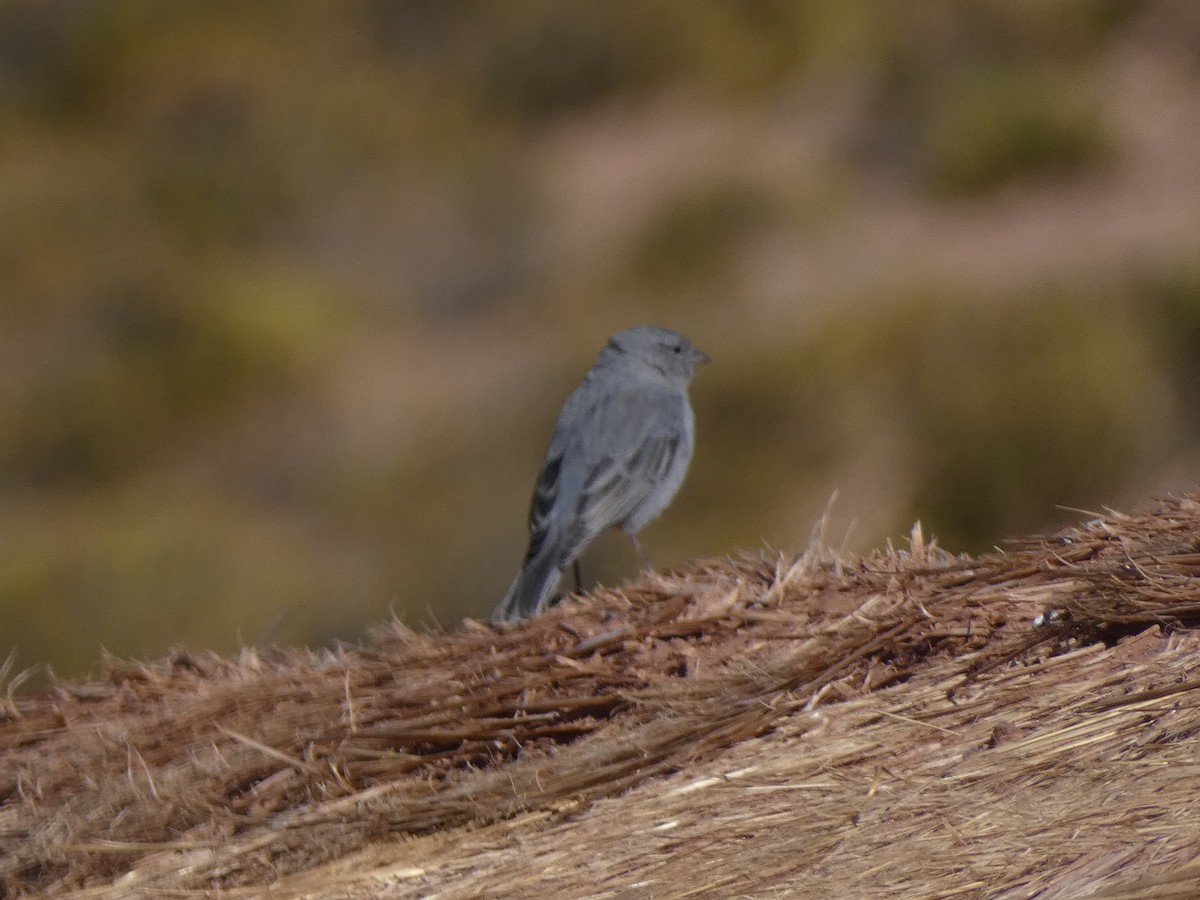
{"x":578,"y":579}
{"x":641,"y":553}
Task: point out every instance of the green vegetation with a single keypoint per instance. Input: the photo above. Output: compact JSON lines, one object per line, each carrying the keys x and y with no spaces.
{"x":967,"y":98}
{"x":1167,"y":300}
{"x":997,"y":127}
{"x":980,"y":414}
{"x":695,"y":237}
{"x":1010,"y":406}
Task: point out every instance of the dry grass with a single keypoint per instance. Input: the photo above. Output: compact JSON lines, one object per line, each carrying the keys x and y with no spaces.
{"x":893,"y":726}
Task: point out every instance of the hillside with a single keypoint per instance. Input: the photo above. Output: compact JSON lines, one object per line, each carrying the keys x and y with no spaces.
{"x":904,"y":724}
{"x":278,"y":276}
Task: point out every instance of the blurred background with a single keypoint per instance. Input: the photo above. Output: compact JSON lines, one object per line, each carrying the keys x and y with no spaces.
{"x":290,"y":293}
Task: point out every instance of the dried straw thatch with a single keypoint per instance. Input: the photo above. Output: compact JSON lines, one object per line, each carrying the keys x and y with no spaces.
{"x":894,"y":726}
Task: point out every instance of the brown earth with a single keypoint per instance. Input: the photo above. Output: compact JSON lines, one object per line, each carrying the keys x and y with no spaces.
{"x":899,"y":725}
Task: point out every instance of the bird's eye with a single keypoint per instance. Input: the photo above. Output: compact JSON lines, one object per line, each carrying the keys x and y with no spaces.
{"x":677,"y":349}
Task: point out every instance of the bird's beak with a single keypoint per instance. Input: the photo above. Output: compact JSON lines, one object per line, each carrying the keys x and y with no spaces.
{"x":699,"y":357}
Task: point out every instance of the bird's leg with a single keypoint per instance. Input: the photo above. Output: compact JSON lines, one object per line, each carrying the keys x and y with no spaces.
{"x":578,"y":578}
{"x":641,"y":553}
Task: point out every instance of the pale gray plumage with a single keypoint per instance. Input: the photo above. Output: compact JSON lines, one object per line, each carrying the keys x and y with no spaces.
{"x":619,"y":453}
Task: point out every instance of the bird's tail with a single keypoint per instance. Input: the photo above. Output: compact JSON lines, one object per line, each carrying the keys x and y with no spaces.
{"x":530,"y":591}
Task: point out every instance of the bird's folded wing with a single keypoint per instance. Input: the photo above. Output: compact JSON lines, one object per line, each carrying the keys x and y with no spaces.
{"x":545,"y":492}
{"x":638,"y":437}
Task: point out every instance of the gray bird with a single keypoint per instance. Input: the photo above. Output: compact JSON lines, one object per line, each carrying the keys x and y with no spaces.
{"x":620,"y":449}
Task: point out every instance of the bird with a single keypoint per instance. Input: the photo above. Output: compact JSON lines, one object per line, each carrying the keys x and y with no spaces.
{"x":619,"y":452}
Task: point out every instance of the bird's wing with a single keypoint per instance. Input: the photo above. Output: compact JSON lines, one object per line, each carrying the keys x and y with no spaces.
{"x":545,"y":492}
{"x":572,"y":419}
{"x":635,"y":435}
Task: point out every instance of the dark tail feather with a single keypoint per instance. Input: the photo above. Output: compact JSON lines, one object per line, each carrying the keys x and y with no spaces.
{"x":530,"y":590}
